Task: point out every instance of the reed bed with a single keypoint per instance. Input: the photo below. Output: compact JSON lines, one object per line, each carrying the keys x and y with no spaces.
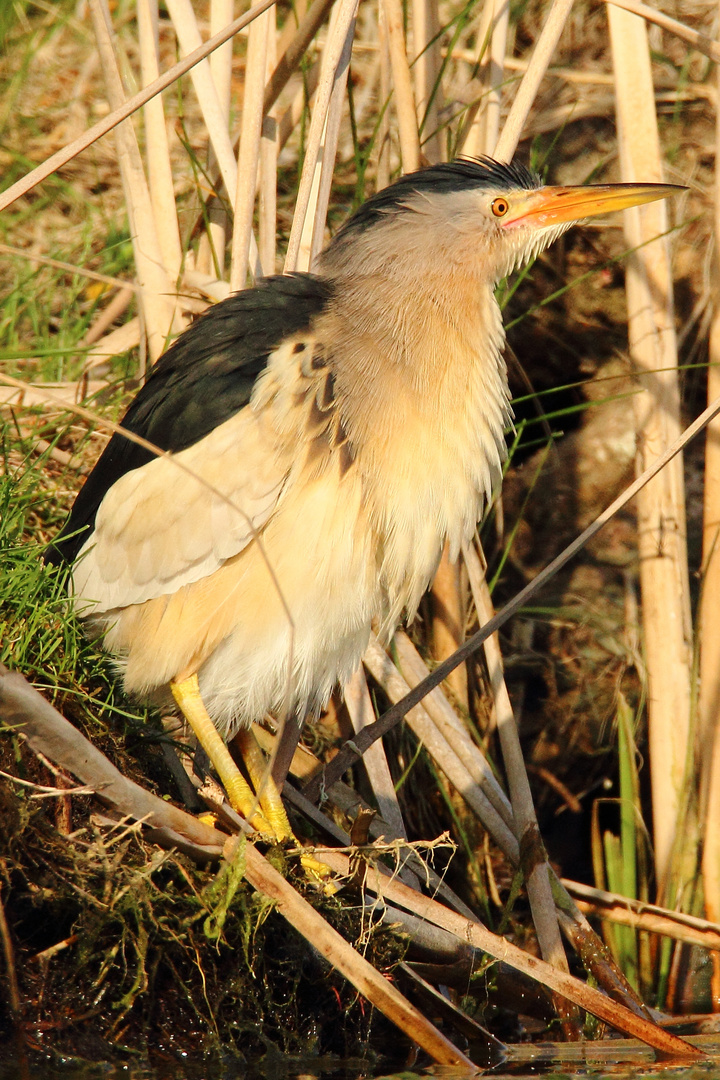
{"x":184,"y":152}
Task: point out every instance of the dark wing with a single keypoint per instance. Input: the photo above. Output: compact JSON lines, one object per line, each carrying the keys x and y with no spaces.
{"x":205,"y":377}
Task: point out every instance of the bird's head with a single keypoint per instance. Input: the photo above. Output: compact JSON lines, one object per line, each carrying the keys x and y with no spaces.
{"x":483,"y":215}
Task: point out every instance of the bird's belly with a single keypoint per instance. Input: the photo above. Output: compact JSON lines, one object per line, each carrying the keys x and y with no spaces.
{"x":279,"y":624}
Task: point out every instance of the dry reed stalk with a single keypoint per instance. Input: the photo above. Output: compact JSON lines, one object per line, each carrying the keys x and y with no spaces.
{"x":249,"y":152}
{"x":112,"y":311}
{"x":295,"y":51}
{"x":131,"y":105}
{"x":343,"y":798}
{"x":661,"y":505}
{"x":701,"y":42}
{"x":330,"y":143}
{"x":708,"y":630}
{"x":70,"y":268}
{"x":157,"y":149}
{"x":472,"y":136}
{"x":291,"y":116}
{"x":185,"y":24}
{"x":332,"y":58}
{"x":413,"y":669}
{"x":269,"y":149}
{"x":363,"y":976}
{"x":402,"y":86}
{"x":360,"y":708}
{"x":383,"y":136}
{"x":313,"y":233}
{"x":22,"y":395}
{"x":479,"y":937}
{"x":496,"y":75}
{"x":426,"y":72}
{"x":530,"y":84}
{"x":447,"y":622}
{"x":118,"y":341}
{"x":534,"y":857}
{"x":221,"y":13}
{"x":655,"y":920}
{"x":159,"y":310}
{"x":484,"y":128}
{"x":455,"y":768}
{"x":209,"y":286}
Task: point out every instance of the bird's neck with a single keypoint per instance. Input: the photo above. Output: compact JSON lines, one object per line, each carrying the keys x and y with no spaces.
{"x":427,"y":343}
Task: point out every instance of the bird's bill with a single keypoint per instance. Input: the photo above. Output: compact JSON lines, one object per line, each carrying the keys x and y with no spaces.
{"x":557,"y":205}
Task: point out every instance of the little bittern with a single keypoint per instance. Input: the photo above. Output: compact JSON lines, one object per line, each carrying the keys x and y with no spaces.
{"x":335,"y":428}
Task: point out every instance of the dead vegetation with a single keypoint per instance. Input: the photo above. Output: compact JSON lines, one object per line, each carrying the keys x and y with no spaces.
{"x":115,"y":948}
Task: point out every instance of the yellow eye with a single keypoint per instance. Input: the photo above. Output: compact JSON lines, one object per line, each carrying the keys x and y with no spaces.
{"x":499,"y":207}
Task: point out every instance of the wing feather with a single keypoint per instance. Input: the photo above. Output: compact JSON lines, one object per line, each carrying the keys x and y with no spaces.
{"x":207,"y":377}
{"x":184,"y":524}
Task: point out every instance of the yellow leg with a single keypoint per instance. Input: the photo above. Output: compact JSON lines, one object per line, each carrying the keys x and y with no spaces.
{"x":265,"y":786}
{"x":275,"y":823}
{"x":272,"y":805}
{"x":241,"y":798}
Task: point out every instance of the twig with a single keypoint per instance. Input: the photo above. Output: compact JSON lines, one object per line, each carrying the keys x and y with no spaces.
{"x":650,"y":917}
{"x":70,"y":268}
{"x":12,"y":980}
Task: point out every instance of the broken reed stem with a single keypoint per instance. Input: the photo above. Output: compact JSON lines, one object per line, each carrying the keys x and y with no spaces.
{"x":559,"y":982}
{"x":249,"y":153}
{"x":156,"y":291}
{"x":334,"y":47}
{"x":46,"y":730}
{"x":534,"y":862}
{"x":661,"y":506}
{"x":530,"y":84}
{"x":708,"y":630}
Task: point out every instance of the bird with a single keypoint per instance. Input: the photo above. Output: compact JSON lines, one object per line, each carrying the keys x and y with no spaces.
{"x":324,"y":436}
